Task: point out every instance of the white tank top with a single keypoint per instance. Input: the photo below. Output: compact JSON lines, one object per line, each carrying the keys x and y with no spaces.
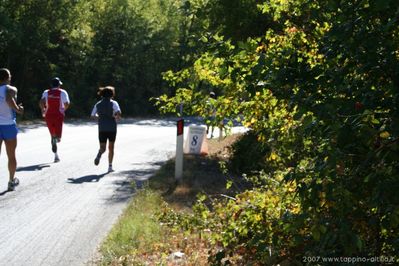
{"x":7,"y":115}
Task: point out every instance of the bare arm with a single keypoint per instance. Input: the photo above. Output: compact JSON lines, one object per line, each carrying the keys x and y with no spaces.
{"x":118,"y":115}
{"x":10,"y":98}
{"x":94,"y":114}
{"x":117,"y":110}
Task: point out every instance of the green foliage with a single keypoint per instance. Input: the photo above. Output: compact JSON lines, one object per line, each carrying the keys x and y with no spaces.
{"x":320,"y":89}
{"x":317,"y":82}
{"x":40,"y":40}
{"x":134,"y":42}
{"x":248,"y":154}
{"x":237,"y":19}
{"x":125,"y":43}
{"x":254,"y":224}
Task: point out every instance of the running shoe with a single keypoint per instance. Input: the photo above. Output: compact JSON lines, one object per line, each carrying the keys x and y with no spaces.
{"x":97,"y":159}
{"x":110,"y":169}
{"x":56,"y":158}
{"x":12,"y":184}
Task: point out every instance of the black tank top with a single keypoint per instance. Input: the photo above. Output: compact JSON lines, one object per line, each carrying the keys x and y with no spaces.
{"x":106,"y":119}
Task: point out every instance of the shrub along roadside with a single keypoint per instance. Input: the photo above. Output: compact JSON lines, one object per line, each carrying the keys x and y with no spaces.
{"x":262,"y":224}
{"x":158,"y":222}
{"x":211,"y":217}
{"x":321,"y":88}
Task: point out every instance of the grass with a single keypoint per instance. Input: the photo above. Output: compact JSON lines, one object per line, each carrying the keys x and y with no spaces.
{"x":138,"y":238}
{"x":135,"y":230}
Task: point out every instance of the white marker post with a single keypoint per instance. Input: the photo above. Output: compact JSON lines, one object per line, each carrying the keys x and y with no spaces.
{"x":196,"y":140}
{"x":179,"y":150}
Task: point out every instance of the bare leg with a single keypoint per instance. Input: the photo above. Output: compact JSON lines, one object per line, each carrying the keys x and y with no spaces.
{"x":100,"y":152}
{"x":110,"y":152}
{"x":54,"y":144}
{"x":11,"y":146}
{"x":102,"y":148}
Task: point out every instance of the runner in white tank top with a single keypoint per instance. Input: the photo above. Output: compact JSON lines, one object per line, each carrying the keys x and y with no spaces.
{"x":8,"y":127}
{"x":7,"y":115}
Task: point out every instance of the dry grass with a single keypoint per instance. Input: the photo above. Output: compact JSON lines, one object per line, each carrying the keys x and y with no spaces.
{"x":220,"y":149}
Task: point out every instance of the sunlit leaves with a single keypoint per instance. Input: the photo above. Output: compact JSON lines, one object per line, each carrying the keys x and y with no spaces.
{"x":320,"y":90}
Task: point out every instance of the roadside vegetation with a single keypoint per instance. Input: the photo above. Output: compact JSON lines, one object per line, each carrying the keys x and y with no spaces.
{"x":156,"y":228}
{"x":316,"y":82}
{"x":320,"y":92}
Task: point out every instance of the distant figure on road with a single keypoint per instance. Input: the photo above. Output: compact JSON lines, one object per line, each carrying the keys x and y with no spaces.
{"x":53,"y":104}
{"x":8,"y":124}
{"x":108,"y":112}
{"x":210,"y":120}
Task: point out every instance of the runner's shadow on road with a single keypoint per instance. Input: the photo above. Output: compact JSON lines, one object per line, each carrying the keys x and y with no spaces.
{"x":86,"y":179}
{"x":35,"y":167}
{"x":4,"y":192}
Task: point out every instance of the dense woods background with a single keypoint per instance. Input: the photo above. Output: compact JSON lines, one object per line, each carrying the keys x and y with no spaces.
{"x":125,"y":43}
{"x":317,"y":82}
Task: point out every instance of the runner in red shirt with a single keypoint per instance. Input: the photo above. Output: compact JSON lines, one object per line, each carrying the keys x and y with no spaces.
{"x":53,"y":104}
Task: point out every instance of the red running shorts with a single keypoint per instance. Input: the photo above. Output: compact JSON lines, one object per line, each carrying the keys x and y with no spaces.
{"x":54,"y":124}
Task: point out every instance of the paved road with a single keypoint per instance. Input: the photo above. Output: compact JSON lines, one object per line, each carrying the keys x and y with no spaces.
{"x":61,"y":211}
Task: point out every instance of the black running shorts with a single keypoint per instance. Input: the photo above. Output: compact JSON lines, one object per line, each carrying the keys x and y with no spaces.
{"x":103,"y":136}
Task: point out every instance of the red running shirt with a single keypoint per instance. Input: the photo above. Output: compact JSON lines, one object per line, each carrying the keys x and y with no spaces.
{"x":55,"y":99}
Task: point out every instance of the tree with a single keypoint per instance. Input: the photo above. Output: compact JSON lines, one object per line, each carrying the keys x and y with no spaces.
{"x":320,"y":90}
{"x":134,"y":43}
{"x":42,"y":39}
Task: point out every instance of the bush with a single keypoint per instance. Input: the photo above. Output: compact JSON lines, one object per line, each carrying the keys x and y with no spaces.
{"x":248,"y":154}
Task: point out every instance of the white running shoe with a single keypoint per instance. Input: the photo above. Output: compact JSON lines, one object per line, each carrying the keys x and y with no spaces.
{"x":110,"y":169}
{"x":56,"y":158}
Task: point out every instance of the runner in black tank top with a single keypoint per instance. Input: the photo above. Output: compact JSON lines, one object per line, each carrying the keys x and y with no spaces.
{"x":108,"y":112}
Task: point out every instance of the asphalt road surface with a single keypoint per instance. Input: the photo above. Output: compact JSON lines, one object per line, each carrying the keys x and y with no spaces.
{"x":60,"y":212}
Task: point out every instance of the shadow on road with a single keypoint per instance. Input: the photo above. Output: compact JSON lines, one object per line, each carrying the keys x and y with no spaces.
{"x":24,"y":126}
{"x":35,"y":167}
{"x":135,"y":179}
{"x":4,"y":192}
{"x":86,"y":179}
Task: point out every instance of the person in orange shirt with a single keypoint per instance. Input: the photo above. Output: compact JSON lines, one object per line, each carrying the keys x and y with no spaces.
{"x":53,"y":104}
